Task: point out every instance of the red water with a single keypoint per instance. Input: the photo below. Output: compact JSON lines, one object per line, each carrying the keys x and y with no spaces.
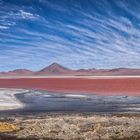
{"x":114,"y":86}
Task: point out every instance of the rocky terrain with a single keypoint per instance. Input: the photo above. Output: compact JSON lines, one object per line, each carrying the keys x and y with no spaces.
{"x":70,"y":127}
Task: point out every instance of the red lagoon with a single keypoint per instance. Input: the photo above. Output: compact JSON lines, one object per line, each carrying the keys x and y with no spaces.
{"x":99,"y":86}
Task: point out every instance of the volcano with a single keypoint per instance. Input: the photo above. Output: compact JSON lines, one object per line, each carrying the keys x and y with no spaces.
{"x":55,"y":69}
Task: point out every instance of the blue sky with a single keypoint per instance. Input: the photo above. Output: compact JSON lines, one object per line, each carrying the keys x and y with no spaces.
{"x":74,"y":33}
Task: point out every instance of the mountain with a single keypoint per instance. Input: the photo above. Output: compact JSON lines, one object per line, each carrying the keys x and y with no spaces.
{"x":18,"y":72}
{"x":124,"y":71}
{"x":55,"y":69}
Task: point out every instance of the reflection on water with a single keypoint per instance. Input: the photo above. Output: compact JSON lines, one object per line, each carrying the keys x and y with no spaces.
{"x":46,"y":101}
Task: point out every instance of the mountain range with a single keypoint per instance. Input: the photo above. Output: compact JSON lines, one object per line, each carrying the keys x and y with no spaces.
{"x":57,"y":69}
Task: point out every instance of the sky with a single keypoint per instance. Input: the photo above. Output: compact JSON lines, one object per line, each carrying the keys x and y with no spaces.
{"x":74,"y":33}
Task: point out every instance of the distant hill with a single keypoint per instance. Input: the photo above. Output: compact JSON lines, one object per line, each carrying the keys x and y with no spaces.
{"x":57,"y":69}
{"x":18,"y":72}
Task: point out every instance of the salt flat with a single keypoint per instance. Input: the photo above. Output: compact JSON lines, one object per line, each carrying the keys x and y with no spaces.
{"x":8,"y":100}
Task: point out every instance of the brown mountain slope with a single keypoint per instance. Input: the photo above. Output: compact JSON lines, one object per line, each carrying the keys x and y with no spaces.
{"x":54,"y":69}
{"x":57,"y":69}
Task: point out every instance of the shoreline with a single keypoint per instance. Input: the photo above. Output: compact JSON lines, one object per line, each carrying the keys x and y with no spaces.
{"x":69,"y":76}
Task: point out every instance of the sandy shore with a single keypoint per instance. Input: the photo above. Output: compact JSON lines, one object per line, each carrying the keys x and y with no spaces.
{"x":129,"y":86}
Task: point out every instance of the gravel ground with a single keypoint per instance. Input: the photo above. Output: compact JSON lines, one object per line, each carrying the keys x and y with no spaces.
{"x":73,"y":127}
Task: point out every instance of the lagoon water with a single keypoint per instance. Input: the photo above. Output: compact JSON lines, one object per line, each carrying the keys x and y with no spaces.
{"x":44,"y":101}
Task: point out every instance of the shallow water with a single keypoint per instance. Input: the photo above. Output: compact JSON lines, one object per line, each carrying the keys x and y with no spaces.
{"x":40,"y":101}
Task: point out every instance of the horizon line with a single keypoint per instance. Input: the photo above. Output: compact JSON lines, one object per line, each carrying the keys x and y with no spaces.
{"x":54,"y":63}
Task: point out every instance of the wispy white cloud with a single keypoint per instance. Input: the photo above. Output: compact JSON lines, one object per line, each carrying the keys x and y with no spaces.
{"x":27,"y":15}
{"x":75,"y":36}
{"x":3,"y":27}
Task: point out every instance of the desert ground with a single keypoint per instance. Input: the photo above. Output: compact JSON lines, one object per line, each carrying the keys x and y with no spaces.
{"x":70,"y":126}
